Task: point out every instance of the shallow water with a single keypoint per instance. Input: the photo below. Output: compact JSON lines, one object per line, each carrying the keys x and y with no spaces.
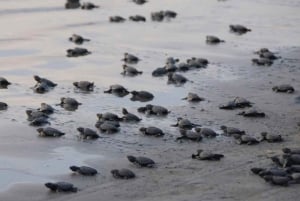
{"x":33,"y":41}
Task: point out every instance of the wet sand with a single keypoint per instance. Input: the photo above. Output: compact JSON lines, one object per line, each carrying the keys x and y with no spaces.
{"x":34,"y":42}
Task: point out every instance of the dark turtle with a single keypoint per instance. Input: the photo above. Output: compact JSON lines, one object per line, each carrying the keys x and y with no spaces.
{"x":77,"y":39}
{"x":3,"y":106}
{"x":157,"y":16}
{"x":88,"y":6}
{"x":41,"y":88}
{"x":84,"y":85}
{"x":170,"y":67}
{"x":190,"y":135}
{"x":207,"y":155}
{"x":182,"y":67}
{"x":77,"y":51}
{"x":286,"y":88}
{"x":69,"y":101}
{"x":184,"y":124}
{"x":87,"y":133}
{"x":171,"y":60}
{"x":130,"y":58}
{"x":108,"y":127}
{"x":45,"y":108}
{"x":122,"y":174}
{"x":213,"y":40}
{"x":116,"y":19}
{"x":117,"y":90}
{"x":84,"y":170}
{"x":271,"y":137}
{"x":245,"y":139}
{"x":72,"y":4}
{"x":152,"y":131}
{"x":49,"y":132}
{"x":4,"y":83}
{"x":130,"y":71}
{"x":49,"y":83}
{"x":108,"y":116}
{"x":156,"y":110}
{"x":277,"y":180}
{"x":197,"y":62}
{"x":241,"y":102}
{"x":232,"y":131}
{"x":61,"y":187}
{"x":239,"y":29}
{"x":169,"y":14}
{"x":129,"y":117}
{"x":262,"y":62}
{"x":291,"y":150}
{"x":192,"y":97}
{"x":40,"y":121}
{"x":228,"y":106}
{"x":174,"y":78}
{"x":139,"y":2}
{"x":161,"y":71}
{"x":262,"y":50}
{"x":142,"y":96}
{"x":206,"y":132}
{"x":252,"y":113}
{"x":137,"y":18}
{"x":141,"y":161}
{"x":114,"y":123}
{"x":33,"y":114}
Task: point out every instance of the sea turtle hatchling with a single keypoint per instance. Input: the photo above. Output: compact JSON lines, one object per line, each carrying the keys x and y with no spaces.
{"x":139,"y":2}
{"x":77,"y":51}
{"x":229,"y":131}
{"x":122,"y":173}
{"x":193,"y":97}
{"x":116,"y":19}
{"x":156,"y":110}
{"x":141,"y":161}
{"x":107,"y":127}
{"x":152,"y":131}
{"x":137,"y":18}
{"x":177,"y":79}
{"x":84,"y":170}
{"x":239,"y":29}
{"x":278,"y":180}
{"x":3,"y":106}
{"x":213,"y":40}
{"x":117,"y":90}
{"x":207,"y":155}
{"x":77,"y":39}
{"x":291,"y":150}
{"x":45,"y":108}
{"x":130,"y":58}
{"x":130,"y":71}
{"x":285,"y":88}
{"x":46,"y":81}
{"x":108,"y":116}
{"x":72,"y":4}
{"x":142,"y":96}
{"x":49,"y":132}
{"x":189,"y":135}
{"x":252,"y":113}
{"x":271,"y":137}
{"x":158,"y":72}
{"x":69,"y":101}
{"x":245,"y":139}
{"x":4,"y":83}
{"x":87,"y":133}
{"x":39,"y":121}
{"x":262,"y":62}
{"x":129,"y":117}
{"x":33,"y":114}
{"x":84,"y":85}
{"x":88,"y":6}
{"x":206,"y":132}
{"x":157,"y":16}
{"x":61,"y":187}
{"x":184,"y":124}
{"x":169,"y":14}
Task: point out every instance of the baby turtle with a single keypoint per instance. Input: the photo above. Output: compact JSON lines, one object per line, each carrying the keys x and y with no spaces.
{"x":130,"y":58}
{"x":228,"y":106}
{"x":262,"y":62}
{"x":169,"y":14}
{"x":139,"y":2}
{"x":184,"y":124}
{"x":45,"y":108}
{"x":161,"y":71}
{"x":40,"y":121}
{"x":41,"y":88}
{"x":291,"y":150}
{"x":72,"y":4}
{"x":33,"y":114}
{"x":117,"y":19}
{"x":252,"y":113}
{"x":172,"y":60}
{"x":192,"y":97}
{"x":285,"y":88}
{"x":241,"y":102}
{"x":156,"y":110}
{"x":262,"y":50}
{"x":49,"y":132}
{"x":84,"y":85}
{"x":87,"y":133}
{"x":268,"y":55}
{"x":130,"y":71}
{"x":137,"y":18}
{"x":229,"y":131}
{"x":61,"y":187}
{"x":197,"y":62}
{"x":239,"y":29}
{"x":189,"y":135}
{"x":84,"y":170}
{"x":174,"y":78}
{"x":122,"y":174}
{"x":206,"y":132}
{"x":129,"y":117}
{"x":77,"y":39}
{"x":277,"y":180}
{"x":4,"y":83}
{"x":245,"y":139}
{"x":108,"y":127}
{"x":157,"y":16}
{"x":3,"y":106}
{"x":182,"y":67}
{"x":152,"y":131}
{"x":142,"y":96}
{"x":69,"y":101}
{"x":77,"y":51}
{"x":270,"y":137}
{"x":117,"y":90}
{"x":108,"y":116}
{"x":39,"y":79}
{"x":88,"y":6}
{"x":207,"y":155}
{"x":101,"y":121}
{"x":141,"y":161}
{"x":171,"y":67}
{"x":213,"y":40}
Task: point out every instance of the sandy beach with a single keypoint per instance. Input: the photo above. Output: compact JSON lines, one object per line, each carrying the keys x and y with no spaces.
{"x":34,"y":40}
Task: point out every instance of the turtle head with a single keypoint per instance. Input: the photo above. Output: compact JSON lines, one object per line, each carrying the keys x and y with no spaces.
{"x":275,"y":159}
{"x":132,"y":159}
{"x":134,"y":92}
{"x":275,"y":88}
{"x":286,"y":150}
{"x":198,"y":130}
{"x":143,"y":129}
{"x":179,"y":119}
{"x":80,"y":129}
{"x":223,"y":127}
{"x":51,"y":186}
{"x":114,"y":172}
{"x":37,"y":78}
{"x":75,"y":84}
{"x":124,"y":111}
{"x":124,"y":66}
{"x":39,"y":130}
{"x":29,"y":112}
{"x":99,"y":115}
{"x":43,"y":104}
{"x":142,"y":109}
{"x":74,"y":168}
{"x":62,"y":100}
